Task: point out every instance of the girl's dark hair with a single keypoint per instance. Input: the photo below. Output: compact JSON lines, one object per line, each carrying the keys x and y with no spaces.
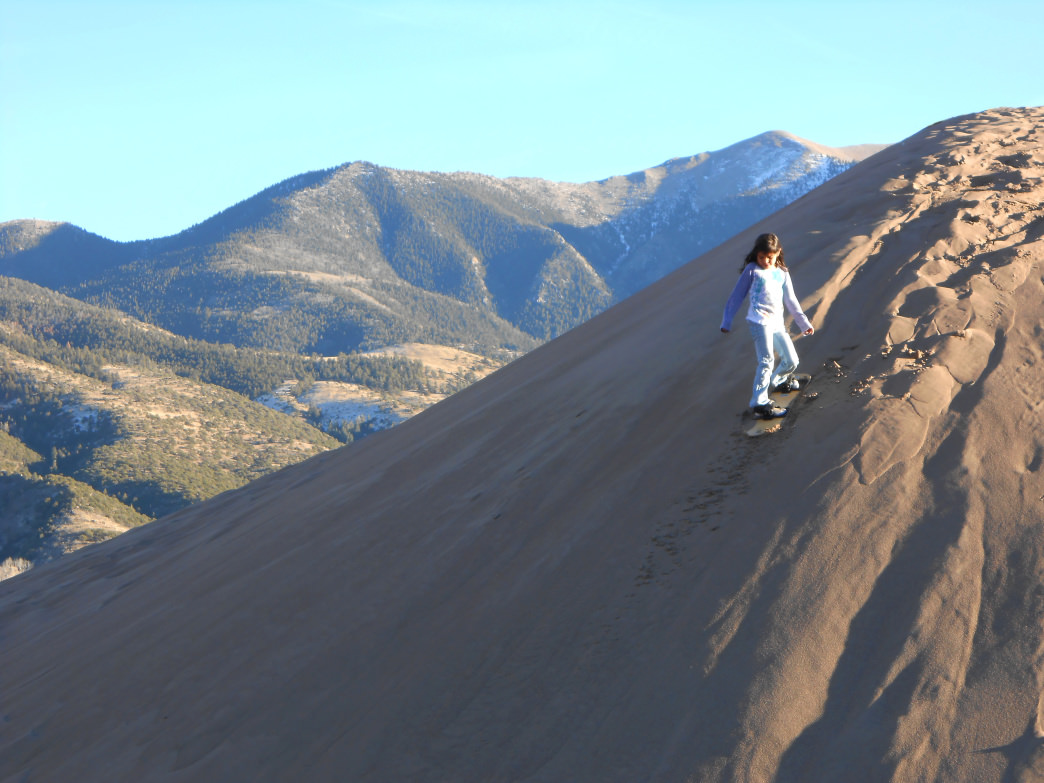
{"x":765,"y":243}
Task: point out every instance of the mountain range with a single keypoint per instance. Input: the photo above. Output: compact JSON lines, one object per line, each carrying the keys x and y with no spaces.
{"x":360,"y":256}
{"x":580,"y":568}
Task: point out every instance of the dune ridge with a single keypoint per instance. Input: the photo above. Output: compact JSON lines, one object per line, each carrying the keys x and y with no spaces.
{"x":580,"y":569}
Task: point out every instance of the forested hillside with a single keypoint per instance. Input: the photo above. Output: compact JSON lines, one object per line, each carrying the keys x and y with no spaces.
{"x":107,"y":422}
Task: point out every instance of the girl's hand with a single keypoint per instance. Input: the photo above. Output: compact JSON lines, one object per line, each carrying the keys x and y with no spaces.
{"x":810,"y":331}
{"x":724,"y":331}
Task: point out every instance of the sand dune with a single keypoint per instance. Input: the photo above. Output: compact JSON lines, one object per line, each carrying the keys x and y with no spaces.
{"x":579,"y":569}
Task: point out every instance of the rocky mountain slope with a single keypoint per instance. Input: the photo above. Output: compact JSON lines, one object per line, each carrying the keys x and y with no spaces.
{"x":361,"y":257}
{"x":580,"y":569}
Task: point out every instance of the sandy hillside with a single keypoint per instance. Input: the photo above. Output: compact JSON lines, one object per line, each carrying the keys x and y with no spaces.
{"x":579,"y":569}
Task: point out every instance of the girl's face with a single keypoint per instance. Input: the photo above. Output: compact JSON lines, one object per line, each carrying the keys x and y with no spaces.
{"x":765,"y":260}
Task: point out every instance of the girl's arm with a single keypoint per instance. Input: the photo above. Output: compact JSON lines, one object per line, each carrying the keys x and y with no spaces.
{"x":739,"y":293}
{"x":794,"y":306}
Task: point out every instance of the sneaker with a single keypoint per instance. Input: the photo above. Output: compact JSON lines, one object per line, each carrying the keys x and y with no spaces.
{"x":768,"y":411}
{"x":791,"y":384}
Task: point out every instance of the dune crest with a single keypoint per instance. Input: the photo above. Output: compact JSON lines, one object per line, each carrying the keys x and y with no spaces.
{"x":580,"y":568}
{"x":944,"y":295}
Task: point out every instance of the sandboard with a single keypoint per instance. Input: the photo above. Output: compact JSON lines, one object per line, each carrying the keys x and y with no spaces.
{"x":768,"y":426}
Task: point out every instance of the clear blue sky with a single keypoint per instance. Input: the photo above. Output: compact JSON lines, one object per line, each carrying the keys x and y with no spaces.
{"x":139,"y":119}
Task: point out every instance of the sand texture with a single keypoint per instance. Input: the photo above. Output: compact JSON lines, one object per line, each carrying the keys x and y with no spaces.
{"x":581,"y":568}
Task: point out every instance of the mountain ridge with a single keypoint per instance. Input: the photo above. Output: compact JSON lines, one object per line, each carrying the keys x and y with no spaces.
{"x":457,"y":258}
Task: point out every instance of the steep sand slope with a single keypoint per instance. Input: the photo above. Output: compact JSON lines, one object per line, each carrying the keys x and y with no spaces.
{"x":579,"y":568}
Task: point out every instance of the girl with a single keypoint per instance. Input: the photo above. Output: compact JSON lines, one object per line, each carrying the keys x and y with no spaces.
{"x":766,"y":278}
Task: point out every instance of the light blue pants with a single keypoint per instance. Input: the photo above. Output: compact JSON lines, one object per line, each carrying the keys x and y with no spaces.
{"x":767,"y":338}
